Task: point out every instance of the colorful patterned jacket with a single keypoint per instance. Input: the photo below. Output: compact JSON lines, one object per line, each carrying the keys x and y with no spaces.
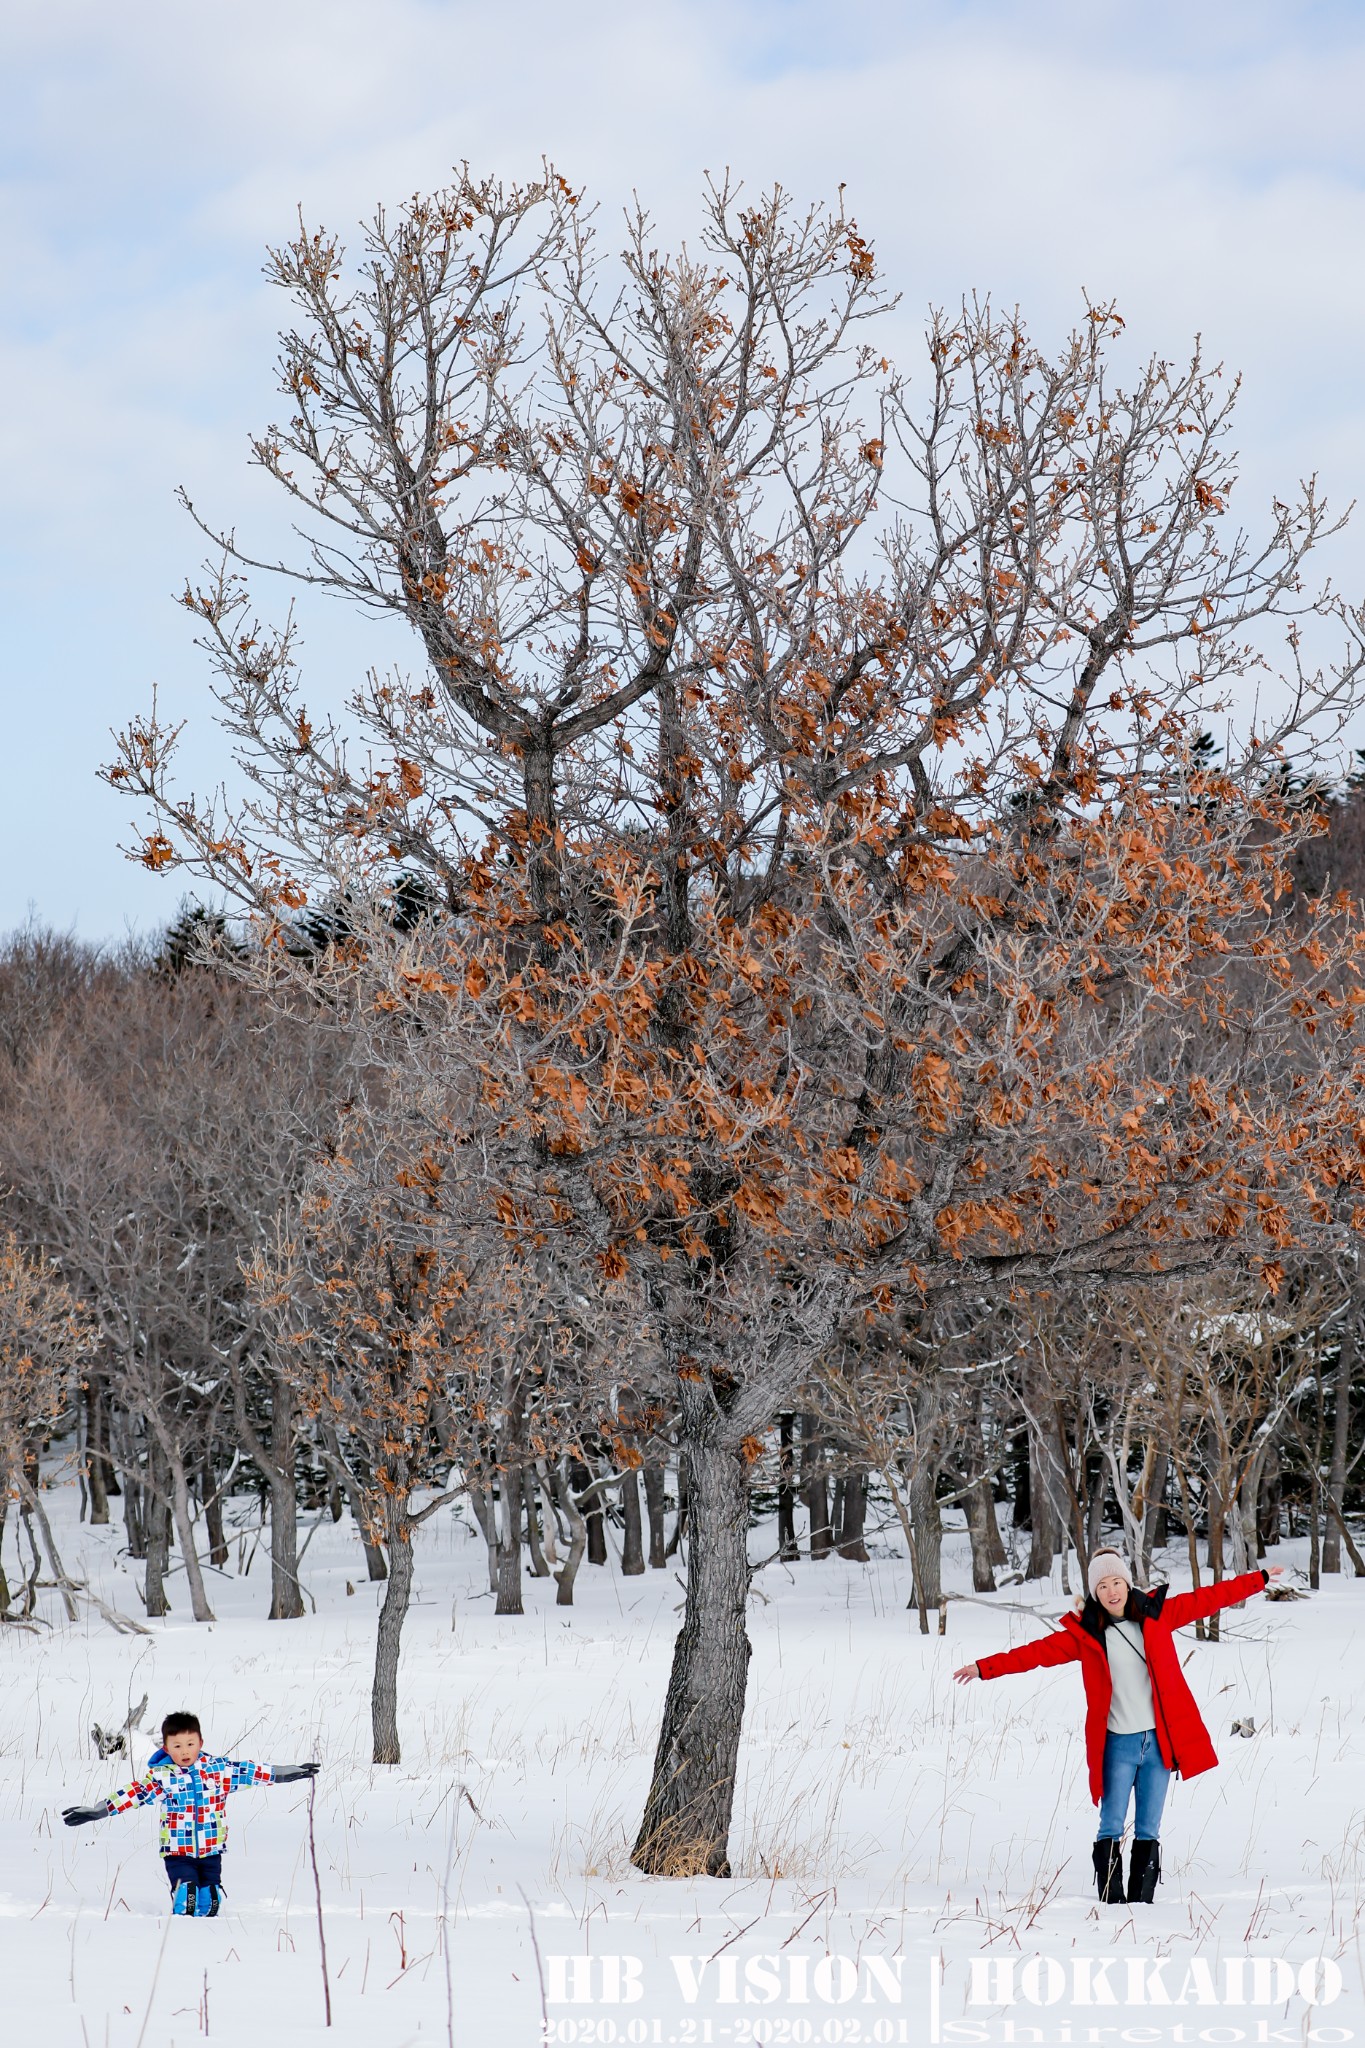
{"x":193,"y":1800}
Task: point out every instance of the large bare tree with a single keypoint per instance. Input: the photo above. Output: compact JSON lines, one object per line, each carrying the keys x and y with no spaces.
{"x":827,"y":893}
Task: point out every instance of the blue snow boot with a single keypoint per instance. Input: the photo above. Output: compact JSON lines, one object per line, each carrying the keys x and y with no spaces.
{"x":208,"y":1900}
{"x":183,"y":1900}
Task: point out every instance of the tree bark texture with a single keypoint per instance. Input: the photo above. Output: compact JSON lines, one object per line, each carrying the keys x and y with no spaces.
{"x":97,"y":1451}
{"x":815,"y":1489}
{"x":213,"y":1515}
{"x":852,"y":1517}
{"x":632,"y":1546}
{"x":927,"y":1521}
{"x":787,"y":1547}
{"x":1341,"y":1425}
{"x":686,"y":1826}
{"x":509,"y":1544}
{"x":655,"y":1510}
{"x":578,"y":1537}
{"x":1044,"y":1521}
{"x":980,"y":1512}
{"x":156,"y":1532}
{"x":184,"y":1530}
{"x":286,"y":1595}
{"x":389,"y":1639}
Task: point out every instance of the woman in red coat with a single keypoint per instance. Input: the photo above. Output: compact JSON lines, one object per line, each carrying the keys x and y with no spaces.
{"x":1141,"y":1722}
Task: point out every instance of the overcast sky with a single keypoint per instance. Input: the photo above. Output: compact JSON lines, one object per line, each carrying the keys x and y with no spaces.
{"x":1203,"y":163}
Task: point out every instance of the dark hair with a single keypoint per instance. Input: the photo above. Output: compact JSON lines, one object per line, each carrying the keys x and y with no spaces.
{"x":180,"y":1724}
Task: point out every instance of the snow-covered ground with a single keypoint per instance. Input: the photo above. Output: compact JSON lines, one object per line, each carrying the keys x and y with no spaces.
{"x":912,"y":1858}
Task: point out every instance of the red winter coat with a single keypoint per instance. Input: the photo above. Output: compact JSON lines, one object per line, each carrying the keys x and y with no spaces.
{"x":1181,"y":1735}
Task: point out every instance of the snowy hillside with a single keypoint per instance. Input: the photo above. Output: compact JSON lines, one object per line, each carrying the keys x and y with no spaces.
{"x":900,"y":1843}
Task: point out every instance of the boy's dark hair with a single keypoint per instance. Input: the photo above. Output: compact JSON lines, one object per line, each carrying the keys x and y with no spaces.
{"x":180,"y":1724}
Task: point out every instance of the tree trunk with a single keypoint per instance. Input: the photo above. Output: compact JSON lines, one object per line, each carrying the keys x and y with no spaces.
{"x":286,"y":1595}
{"x":4,"y":1582}
{"x":815,"y":1489}
{"x":632,"y":1548}
{"x":980,"y":1512}
{"x":597,"y":1530}
{"x":509,"y":1544}
{"x":995,"y":1542}
{"x":655,"y":1509}
{"x":97,"y":1451}
{"x":927,"y":1523}
{"x":787,"y":1546}
{"x":134,"y":1521}
{"x":481,"y":1501}
{"x":1023,"y":1497}
{"x":853,"y":1517}
{"x":213,"y":1515}
{"x":578,"y":1537}
{"x":1215,"y":1497}
{"x":1094,"y":1516}
{"x":1191,"y":1538}
{"x":1044,"y":1525}
{"x":1155,"y":1470}
{"x":156,"y":1533}
{"x":686,"y":1825}
{"x":1244,"y":1524}
{"x":540,"y":1568}
{"x":1268,"y":1503}
{"x":1336,"y":1471}
{"x":184,"y":1529}
{"x":389,"y":1638}
{"x":675,"y":1541}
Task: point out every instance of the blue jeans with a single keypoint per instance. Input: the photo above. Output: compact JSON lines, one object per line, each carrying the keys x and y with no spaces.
{"x":1133,"y":1766}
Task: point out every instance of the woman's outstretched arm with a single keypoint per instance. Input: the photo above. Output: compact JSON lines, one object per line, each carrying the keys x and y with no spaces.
{"x":1183,"y":1608}
{"x":1035,"y":1656}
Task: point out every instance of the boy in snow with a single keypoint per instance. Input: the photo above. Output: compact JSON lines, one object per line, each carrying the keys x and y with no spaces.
{"x":1141,"y":1722}
{"x":192,"y":1790}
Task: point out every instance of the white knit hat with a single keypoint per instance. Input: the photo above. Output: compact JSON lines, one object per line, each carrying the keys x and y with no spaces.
{"x":1106,"y":1564}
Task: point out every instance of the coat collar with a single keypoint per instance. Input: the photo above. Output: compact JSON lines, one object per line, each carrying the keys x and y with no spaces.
{"x":1139,"y":1607}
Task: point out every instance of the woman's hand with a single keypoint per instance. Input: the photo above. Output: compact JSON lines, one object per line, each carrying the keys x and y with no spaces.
{"x":1274,"y":1571}
{"x":967,"y":1674}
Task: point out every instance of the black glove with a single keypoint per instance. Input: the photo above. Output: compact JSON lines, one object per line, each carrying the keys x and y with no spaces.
{"x":285,"y":1774}
{"x":77,"y":1816}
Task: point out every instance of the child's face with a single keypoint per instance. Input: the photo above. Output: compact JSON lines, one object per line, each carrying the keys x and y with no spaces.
{"x":184,"y":1748}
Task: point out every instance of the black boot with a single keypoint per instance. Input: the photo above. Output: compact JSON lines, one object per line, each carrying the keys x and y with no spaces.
{"x":1143,"y":1872}
{"x":1107,"y":1856}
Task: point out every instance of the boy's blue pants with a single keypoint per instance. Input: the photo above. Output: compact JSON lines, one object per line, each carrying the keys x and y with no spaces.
{"x":196,"y":1883}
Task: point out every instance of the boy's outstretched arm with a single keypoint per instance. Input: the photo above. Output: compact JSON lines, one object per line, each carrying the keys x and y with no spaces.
{"x":77,"y":1816}
{"x":142,"y":1792}
{"x":243,"y":1772}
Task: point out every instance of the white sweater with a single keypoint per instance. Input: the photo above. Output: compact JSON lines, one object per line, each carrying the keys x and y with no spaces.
{"x":1130,"y":1710}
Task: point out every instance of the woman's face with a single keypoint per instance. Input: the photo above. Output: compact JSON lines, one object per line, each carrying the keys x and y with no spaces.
{"x":1112,"y":1593}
